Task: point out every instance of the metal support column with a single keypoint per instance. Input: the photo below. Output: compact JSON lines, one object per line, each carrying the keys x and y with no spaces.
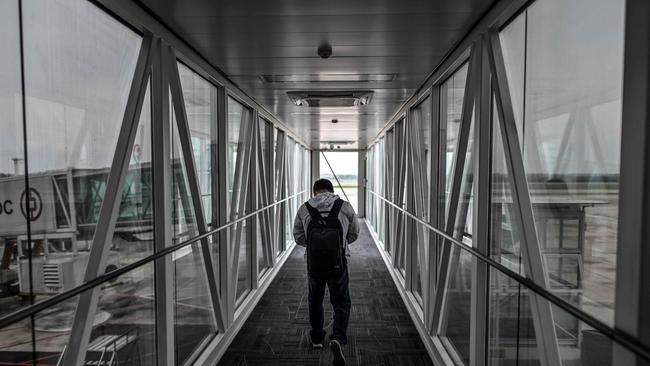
{"x":633,"y":251}
{"x":315,"y":166}
{"x":162,"y":179}
{"x":481,"y":217}
{"x":254,"y":198}
{"x":435,"y":209}
{"x":362,"y":182}
{"x":220,"y":211}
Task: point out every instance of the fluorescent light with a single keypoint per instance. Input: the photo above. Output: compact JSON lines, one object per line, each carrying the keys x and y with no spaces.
{"x":336,"y":78}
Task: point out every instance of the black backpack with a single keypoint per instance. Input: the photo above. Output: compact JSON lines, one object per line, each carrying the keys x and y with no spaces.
{"x":325,"y":252}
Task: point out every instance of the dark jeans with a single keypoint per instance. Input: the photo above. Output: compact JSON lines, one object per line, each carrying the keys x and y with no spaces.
{"x":340,"y":299}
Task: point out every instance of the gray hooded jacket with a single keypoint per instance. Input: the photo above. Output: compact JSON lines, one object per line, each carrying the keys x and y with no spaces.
{"x":324,"y":202}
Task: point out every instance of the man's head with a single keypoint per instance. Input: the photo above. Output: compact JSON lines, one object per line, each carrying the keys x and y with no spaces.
{"x":322,"y":186}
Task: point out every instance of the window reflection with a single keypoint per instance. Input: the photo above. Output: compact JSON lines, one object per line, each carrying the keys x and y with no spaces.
{"x":194,"y":319}
{"x":458,"y":310}
{"x":200,"y":98}
{"x":565,"y":79}
{"x":79,"y":64}
{"x":12,"y":164}
{"x":240,"y":125}
{"x":452,"y":93}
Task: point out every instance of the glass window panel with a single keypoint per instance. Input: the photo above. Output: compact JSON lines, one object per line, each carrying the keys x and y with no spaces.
{"x":264,"y":179}
{"x":244,"y":274}
{"x":421,"y":255}
{"x":370,"y":199}
{"x":239,"y":122}
{"x":133,"y":237}
{"x":463,"y":227}
{"x":297,"y":162}
{"x":240,"y":125}
{"x":79,"y":64}
{"x":289,"y":181}
{"x":16,"y":345}
{"x":123,"y":326}
{"x":123,"y":323}
{"x":201,"y":107}
{"x":457,"y":318}
{"x":280,"y":190}
{"x":452,"y":93}
{"x":346,"y":167}
{"x":511,"y":330}
{"x":390,"y":190}
{"x":512,"y":338}
{"x":126,"y":316}
{"x":51,"y":330}
{"x":261,"y":264}
{"x":12,"y":164}
{"x":569,"y":119}
{"x":267,"y":157}
{"x":505,"y":233}
{"x":194,"y":315}
{"x":11,"y":118}
{"x":200,"y":97}
{"x":122,"y":314}
{"x":278,"y":163}
{"x":307,"y":174}
{"x":457,"y":308}
{"x":422,"y":140}
{"x":513,"y":44}
{"x":399,"y":195}
{"x":421,"y":145}
{"x":381,"y":181}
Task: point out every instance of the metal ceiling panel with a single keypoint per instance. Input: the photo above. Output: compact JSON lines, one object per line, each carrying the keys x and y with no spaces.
{"x":251,"y":38}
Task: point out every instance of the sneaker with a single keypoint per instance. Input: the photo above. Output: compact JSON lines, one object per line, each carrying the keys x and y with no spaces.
{"x":337,"y":352}
{"x":317,"y":345}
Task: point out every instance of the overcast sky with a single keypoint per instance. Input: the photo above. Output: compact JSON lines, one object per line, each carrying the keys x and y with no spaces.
{"x":343,"y":162}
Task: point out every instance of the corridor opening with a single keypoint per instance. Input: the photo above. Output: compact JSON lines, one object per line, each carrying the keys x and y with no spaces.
{"x":342,"y":168}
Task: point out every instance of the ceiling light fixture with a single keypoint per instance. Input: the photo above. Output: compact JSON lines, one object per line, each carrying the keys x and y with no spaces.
{"x":328,"y":78}
{"x":330,"y":98}
{"x":334,"y":112}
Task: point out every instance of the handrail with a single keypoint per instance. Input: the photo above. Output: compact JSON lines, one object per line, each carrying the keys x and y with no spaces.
{"x":617,"y":335}
{"x":58,"y":362}
{"x":40,"y":306}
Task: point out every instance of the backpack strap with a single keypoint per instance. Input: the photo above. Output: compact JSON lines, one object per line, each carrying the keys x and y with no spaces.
{"x":336,"y":208}
{"x":315,"y":215}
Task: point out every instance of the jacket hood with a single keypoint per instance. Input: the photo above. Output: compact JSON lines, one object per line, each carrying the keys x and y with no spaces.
{"x":323,"y":201}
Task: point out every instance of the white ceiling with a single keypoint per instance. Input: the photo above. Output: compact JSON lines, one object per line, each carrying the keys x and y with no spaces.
{"x":250,"y":38}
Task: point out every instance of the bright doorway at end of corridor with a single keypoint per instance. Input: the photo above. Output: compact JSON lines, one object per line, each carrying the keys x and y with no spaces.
{"x":345,"y":165}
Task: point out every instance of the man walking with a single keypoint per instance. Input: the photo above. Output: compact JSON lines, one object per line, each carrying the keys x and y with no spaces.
{"x":325,"y":225}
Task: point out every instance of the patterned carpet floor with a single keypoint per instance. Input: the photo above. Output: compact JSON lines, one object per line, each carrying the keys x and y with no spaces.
{"x":381,"y":331}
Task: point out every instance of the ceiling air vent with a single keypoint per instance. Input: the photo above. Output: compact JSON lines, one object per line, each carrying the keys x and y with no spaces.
{"x":329,"y":98}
